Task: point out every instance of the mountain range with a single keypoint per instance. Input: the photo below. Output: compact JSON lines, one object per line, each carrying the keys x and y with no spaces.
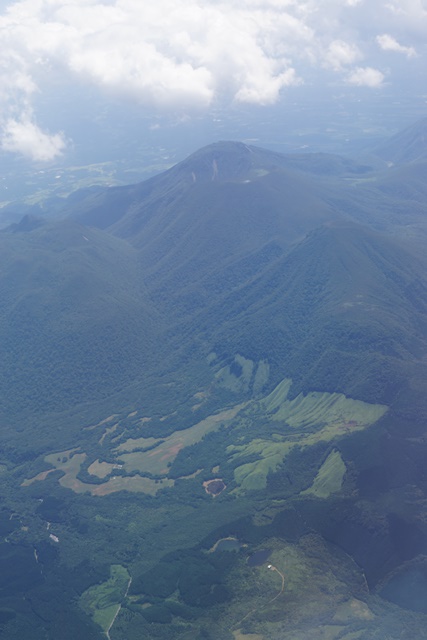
{"x":246,"y":317}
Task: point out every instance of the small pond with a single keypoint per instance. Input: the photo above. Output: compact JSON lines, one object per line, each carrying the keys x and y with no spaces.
{"x":259,"y":557}
{"x":214,"y":487}
{"x":408,"y":590}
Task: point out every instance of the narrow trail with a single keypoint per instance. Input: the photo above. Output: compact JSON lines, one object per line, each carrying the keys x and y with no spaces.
{"x":272,"y":568}
{"x":107,"y":633}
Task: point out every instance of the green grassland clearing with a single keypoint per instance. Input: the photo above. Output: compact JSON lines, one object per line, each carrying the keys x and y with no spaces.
{"x":102,"y":422}
{"x":102,"y":469}
{"x":308,"y":420}
{"x":38,"y":478}
{"x":303,"y":421}
{"x":70,"y":463}
{"x":316,"y":407}
{"x":107,"y":432}
{"x":226,"y":378}
{"x":329,"y":478}
{"x":158,"y":453}
{"x":153,"y":461}
{"x":242,"y":374}
{"x":103,"y":601}
{"x":200,"y":397}
{"x":67,"y":461}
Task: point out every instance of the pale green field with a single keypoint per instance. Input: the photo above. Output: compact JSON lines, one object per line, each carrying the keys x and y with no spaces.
{"x":101,"y":469}
{"x":251,"y":373}
{"x":70,"y":463}
{"x":278,"y":396}
{"x":154,"y":461}
{"x":226,"y":378}
{"x":253,"y":475}
{"x":135,"y":484}
{"x":329,"y":478}
{"x":102,"y":601}
{"x":261,"y":376}
{"x":316,"y":408}
{"x":162,"y":452}
{"x":315,"y":417}
{"x":304,"y":421}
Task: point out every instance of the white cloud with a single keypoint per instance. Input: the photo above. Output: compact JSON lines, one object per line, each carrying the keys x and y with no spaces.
{"x":15,"y":79}
{"x":406,"y":19}
{"x":410,"y":10}
{"x":165,"y":52}
{"x":259,"y":89}
{"x":388,"y":43}
{"x":186,"y":55}
{"x":25,"y":137}
{"x":340,"y":54}
{"x":366,"y":77}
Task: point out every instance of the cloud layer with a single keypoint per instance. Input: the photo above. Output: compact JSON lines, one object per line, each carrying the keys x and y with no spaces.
{"x":25,"y":137}
{"x":191,"y":54}
{"x":388,"y":43}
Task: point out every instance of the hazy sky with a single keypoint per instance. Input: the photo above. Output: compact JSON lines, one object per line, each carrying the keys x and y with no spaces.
{"x":186,"y":57}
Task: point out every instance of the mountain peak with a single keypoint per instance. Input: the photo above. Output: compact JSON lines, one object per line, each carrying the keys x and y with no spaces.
{"x":220,"y":161}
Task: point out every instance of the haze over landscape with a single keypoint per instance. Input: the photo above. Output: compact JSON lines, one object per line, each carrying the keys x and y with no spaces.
{"x":131,"y":89}
{"x":213,"y":327}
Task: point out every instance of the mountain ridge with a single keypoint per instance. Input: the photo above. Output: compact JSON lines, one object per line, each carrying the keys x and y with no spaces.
{"x":200,"y":369}
{"x":407,"y":146}
{"x":206,"y":246}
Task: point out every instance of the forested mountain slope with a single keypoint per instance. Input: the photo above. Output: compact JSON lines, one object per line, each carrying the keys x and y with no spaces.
{"x":213,"y":403}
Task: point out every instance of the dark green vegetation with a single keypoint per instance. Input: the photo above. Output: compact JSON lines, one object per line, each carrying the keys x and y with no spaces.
{"x":245,"y":317}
